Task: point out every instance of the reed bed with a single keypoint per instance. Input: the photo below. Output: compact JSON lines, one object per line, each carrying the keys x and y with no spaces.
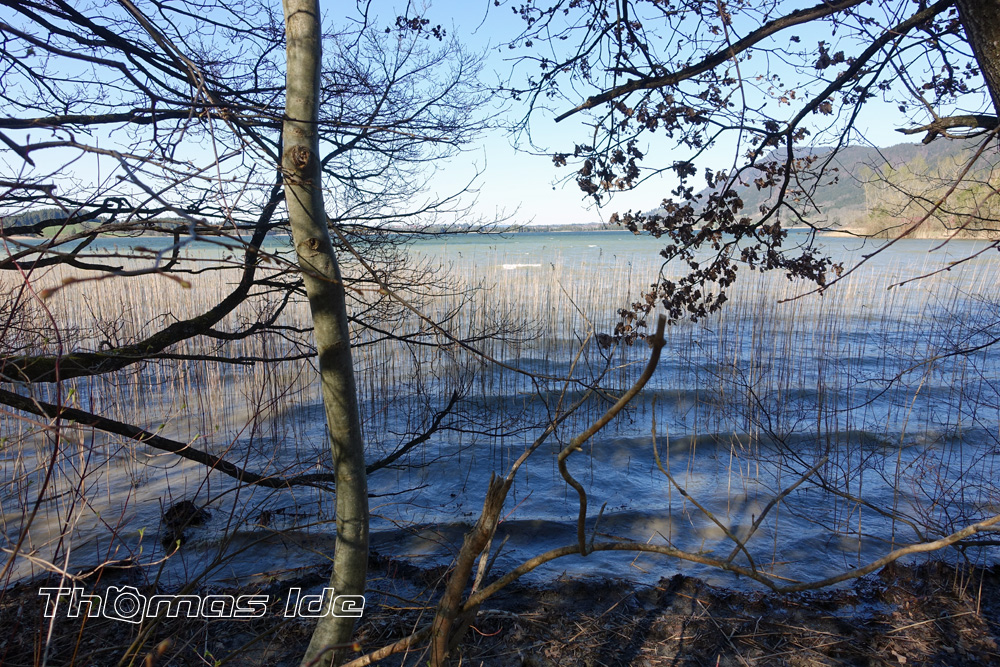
{"x":865,"y":376}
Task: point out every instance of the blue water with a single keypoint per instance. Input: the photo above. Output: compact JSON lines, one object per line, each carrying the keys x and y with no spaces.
{"x":861,"y":381}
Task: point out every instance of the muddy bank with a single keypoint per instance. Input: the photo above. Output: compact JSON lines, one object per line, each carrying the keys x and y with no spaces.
{"x":929,"y":614}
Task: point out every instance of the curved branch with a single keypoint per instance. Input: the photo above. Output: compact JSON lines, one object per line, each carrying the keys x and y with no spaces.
{"x":712,"y":61}
{"x":877,"y":44}
{"x":420,"y":439}
{"x":183,"y":449}
{"x":484,"y":594}
{"x":657,"y":343}
{"x":628,"y":545}
{"x":53,"y":368}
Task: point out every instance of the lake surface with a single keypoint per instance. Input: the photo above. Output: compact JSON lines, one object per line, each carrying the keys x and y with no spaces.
{"x":892,"y":394}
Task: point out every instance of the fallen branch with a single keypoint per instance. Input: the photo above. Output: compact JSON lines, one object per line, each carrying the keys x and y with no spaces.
{"x":576,"y":443}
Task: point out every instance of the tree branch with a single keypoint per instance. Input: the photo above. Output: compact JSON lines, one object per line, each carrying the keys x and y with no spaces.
{"x":940,"y":126}
{"x":53,"y":368}
{"x":714,"y":60}
{"x":182,"y":449}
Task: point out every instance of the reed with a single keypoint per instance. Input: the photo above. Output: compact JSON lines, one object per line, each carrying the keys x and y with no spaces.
{"x":860,"y":375}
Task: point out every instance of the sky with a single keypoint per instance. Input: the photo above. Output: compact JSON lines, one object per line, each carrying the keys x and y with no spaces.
{"x":516,"y":183}
{"x":542,"y":194}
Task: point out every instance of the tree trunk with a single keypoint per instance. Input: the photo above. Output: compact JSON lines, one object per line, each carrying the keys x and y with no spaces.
{"x":981,"y":20}
{"x":325,"y":289}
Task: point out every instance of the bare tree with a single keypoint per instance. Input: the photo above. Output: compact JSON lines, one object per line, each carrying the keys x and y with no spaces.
{"x":324,"y":284}
{"x":172,"y":122}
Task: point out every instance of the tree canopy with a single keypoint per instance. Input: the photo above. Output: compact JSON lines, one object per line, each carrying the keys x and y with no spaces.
{"x":662,"y":85}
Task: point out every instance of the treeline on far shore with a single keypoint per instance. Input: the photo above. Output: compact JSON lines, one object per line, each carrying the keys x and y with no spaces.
{"x":887,"y":216}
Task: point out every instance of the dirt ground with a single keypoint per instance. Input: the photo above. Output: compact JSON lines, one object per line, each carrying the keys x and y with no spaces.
{"x":928,"y":614}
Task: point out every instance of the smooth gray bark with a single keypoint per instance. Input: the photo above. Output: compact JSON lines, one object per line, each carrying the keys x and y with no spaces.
{"x":325,"y":289}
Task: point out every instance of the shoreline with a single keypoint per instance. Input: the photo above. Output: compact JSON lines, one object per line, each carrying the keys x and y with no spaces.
{"x":585,"y":228}
{"x":933,"y":613}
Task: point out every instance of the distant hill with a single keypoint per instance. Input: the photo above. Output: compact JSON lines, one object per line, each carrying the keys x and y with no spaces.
{"x":871,"y":190}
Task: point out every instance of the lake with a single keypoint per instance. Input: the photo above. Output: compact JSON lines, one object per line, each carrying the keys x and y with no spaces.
{"x":888,"y":394}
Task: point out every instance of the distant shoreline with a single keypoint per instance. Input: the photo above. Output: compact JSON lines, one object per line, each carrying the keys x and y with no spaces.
{"x":846,"y":232}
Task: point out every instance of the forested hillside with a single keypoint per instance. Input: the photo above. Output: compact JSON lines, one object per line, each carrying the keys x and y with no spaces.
{"x":874,"y":190}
